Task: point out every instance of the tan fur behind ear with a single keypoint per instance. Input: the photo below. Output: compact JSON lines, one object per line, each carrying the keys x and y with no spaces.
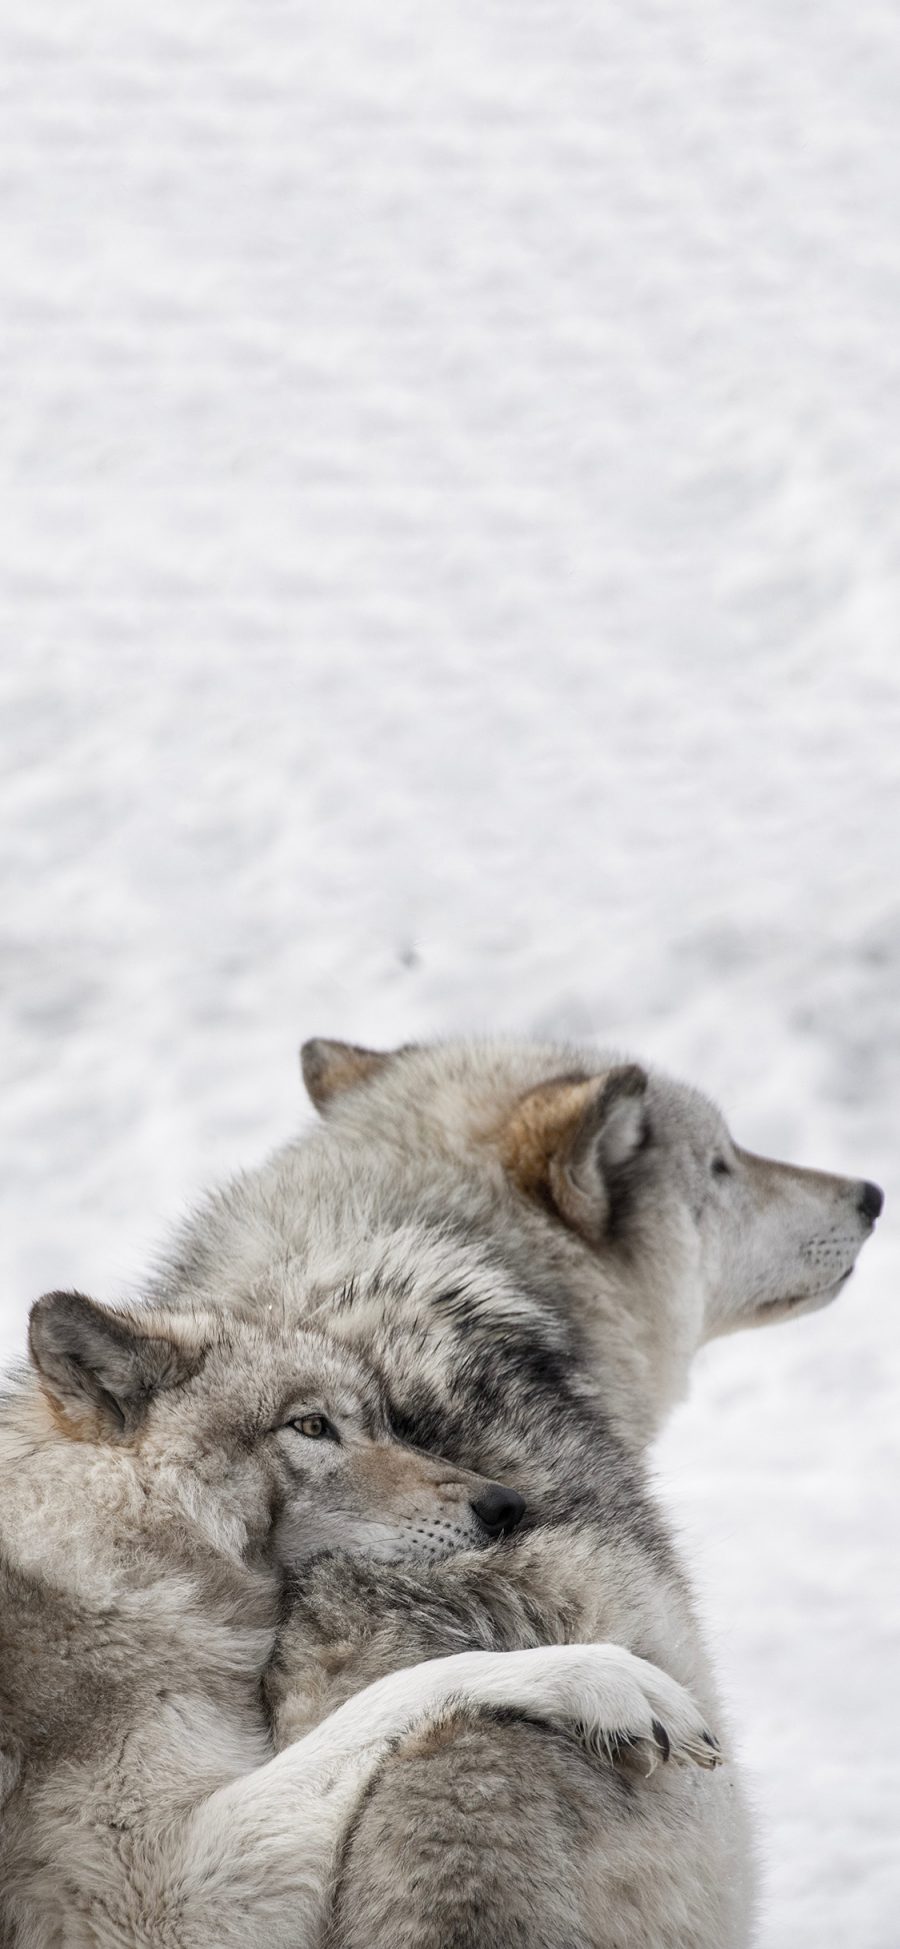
{"x":90,"y":1425}
{"x":565,"y":1138}
{"x":330,"y":1068}
{"x":537,"y":1140}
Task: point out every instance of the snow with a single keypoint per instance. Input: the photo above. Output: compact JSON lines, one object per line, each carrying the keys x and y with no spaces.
{"x":451,"y":558}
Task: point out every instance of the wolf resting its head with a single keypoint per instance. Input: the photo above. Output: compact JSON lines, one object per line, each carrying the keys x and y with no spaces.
{"x":272,"y":1436}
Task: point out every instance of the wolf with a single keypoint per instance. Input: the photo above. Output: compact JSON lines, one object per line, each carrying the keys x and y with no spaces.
{"x":158,"y":1469}
{"x":531,"y":1242}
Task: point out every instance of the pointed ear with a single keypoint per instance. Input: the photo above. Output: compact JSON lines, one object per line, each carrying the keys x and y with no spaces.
{"x":330,"y":1068}
{"x":566,"y":1141}
{"x":97,"y":1368}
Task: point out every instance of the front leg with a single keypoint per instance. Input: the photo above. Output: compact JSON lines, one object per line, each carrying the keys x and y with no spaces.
{"x":349,"y":1623}
{"x":259,"y":1854}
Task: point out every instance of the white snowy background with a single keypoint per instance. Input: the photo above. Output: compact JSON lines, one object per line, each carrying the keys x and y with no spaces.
{"x":451,"y":581}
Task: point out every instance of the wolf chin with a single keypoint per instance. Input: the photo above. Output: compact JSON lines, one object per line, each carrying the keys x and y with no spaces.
{"x":530,"y":1243}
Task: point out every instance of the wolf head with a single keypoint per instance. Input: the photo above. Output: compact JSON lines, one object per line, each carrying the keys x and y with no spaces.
{"x":634,"y":1177}
{"x":273,"y":1441}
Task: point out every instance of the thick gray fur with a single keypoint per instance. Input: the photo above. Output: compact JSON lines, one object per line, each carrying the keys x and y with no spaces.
{"x":530,"y":1243}
{"x":157,"y":1471}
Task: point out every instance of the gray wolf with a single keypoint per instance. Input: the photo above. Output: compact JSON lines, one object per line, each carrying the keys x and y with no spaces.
{"x":158,"y":1470}
{"x":531,"y":1243}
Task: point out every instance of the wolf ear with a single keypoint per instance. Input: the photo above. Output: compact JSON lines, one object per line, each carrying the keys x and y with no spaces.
{"x":330,"y":1068}
{"x":97,"y":1368}
{"x":567,"y":1140}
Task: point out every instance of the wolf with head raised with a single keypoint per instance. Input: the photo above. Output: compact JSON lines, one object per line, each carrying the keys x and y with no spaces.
{"x":531,"y":1242}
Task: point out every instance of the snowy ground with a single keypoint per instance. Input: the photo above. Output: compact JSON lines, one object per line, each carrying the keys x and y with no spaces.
{"x":451,"y":561}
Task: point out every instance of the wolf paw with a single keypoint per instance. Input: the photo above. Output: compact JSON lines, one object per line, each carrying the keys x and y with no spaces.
{"x":641,"y":1717}
{"x":622,"y":1708}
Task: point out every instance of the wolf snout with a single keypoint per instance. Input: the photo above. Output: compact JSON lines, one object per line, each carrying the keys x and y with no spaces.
{"x":871,"y":1201}
{"x":499,"y":1509}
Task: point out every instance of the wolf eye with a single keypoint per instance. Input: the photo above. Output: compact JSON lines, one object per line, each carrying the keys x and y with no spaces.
{"x":721,"y":1168}
{"x":316,"y":1427}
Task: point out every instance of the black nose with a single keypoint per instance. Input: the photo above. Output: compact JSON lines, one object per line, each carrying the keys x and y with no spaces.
{"x":871,"y":1200}
{"x":499,"y":1509}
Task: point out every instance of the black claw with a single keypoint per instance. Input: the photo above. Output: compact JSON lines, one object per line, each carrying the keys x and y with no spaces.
{"x":662,"y":1738}
{"x":708,"y":1740}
